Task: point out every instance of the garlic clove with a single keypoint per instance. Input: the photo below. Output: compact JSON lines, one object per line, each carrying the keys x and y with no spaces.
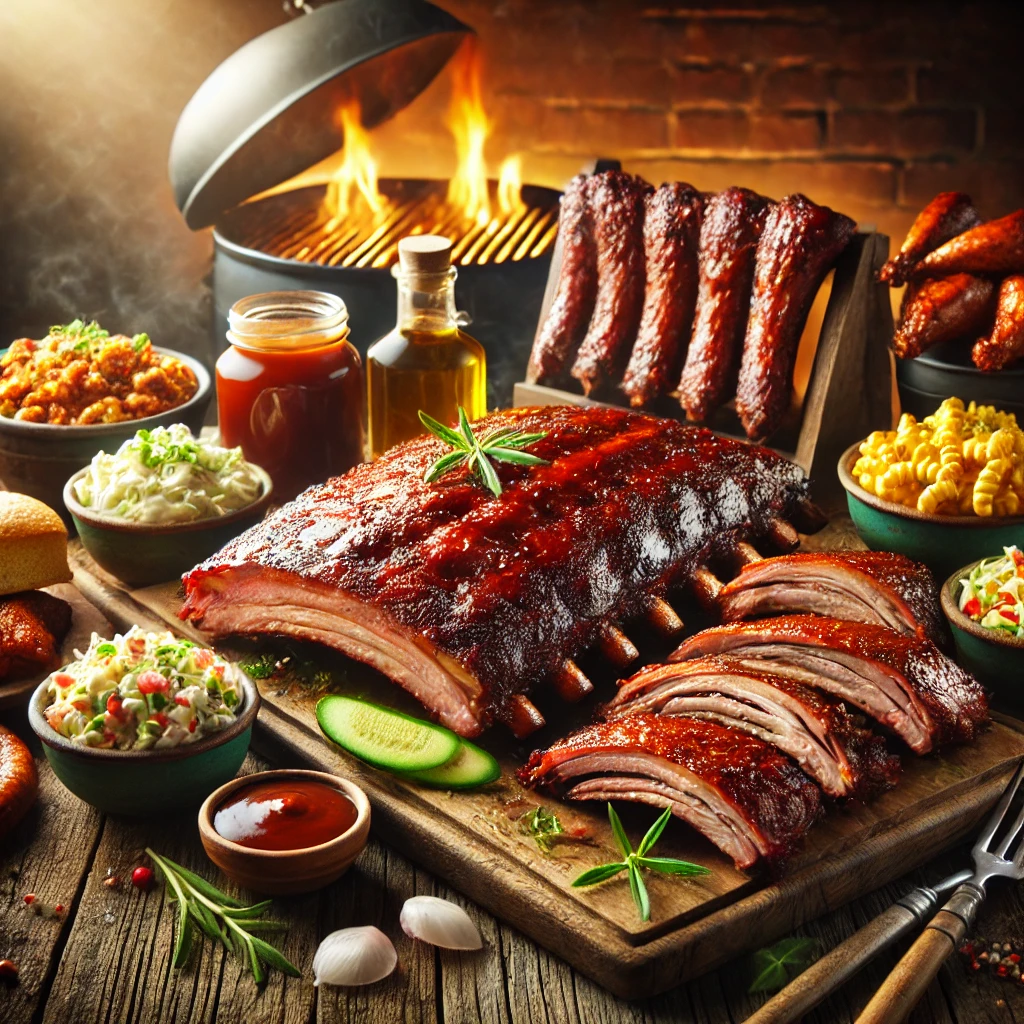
{"x":354,"y":956}
{"x":439,"y":922}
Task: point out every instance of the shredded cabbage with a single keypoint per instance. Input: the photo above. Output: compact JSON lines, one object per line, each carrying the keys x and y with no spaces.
{"x":993,"y":593}
{"x":166,"y":475}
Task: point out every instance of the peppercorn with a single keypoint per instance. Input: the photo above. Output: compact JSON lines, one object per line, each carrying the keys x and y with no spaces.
{"x":142,"y":878}
{"x":58,"y":909}
{"x":8,"y":970}
{"x":30,"y":897}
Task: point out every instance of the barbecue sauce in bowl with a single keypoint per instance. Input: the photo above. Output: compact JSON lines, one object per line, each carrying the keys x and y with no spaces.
{"x":285,"y":814}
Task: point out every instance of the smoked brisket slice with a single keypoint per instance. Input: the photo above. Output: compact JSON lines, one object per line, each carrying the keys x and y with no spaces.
{"x":814,"y":729}
{"x":863,"y":586}
{"x":469,"y":600}
{"x":741,"y":793}
{"x":906,"y":683}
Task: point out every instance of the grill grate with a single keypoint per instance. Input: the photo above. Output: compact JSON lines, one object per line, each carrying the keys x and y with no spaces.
{"x":307,"y":233}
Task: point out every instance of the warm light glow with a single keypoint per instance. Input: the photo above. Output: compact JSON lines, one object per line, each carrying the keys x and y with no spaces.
{"x":510,"y":186}
{"x":467,"y":189}
{"x":358,"y":171}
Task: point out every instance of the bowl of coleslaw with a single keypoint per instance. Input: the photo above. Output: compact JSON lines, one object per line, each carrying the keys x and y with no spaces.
{"x":162,"y":502}
{"x":145,"y":722}
{"x":984,"y":603}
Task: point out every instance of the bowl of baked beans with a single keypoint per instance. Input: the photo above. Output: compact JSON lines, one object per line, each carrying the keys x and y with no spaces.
{"x":82,"y":390}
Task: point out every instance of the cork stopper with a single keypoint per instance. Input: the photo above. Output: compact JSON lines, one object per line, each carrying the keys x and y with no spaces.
{"x":425,"y":254}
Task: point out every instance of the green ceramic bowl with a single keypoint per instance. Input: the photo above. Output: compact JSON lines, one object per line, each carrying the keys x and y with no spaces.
{"x":995,"y":659}
{"x":941,"y":542}
{"x":143,"y":553}
{"x":145,"y":783}
{"x":36,"y":458}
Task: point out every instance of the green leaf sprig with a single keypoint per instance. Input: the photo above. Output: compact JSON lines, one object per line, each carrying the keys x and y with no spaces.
{"x":542,"y":826}
{"x":637,"y":859}
{"x":504,"y":445}
{"x":222,"y":918}
{"x":776,"y":966}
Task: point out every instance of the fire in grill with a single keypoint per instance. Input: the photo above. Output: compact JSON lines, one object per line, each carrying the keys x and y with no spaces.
{"x":299,"y":225}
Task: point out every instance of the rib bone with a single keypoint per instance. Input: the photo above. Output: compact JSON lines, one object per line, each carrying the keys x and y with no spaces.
{"x":783,"y":535}
{"x":706,"y":586}
{"x":747,"y":553}
{"x":571,"y":683}
{"x":662,"y":616}
{"x":616,"y":646}
{"x":523,"y":716}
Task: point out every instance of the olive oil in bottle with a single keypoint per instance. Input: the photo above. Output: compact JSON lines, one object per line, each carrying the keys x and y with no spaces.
{"x":426,"y":362}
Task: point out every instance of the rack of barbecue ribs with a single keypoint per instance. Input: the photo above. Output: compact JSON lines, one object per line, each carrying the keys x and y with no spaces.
{"x":476,"y":603}
{"x":694,"y":305}
{"x":964,"y":282}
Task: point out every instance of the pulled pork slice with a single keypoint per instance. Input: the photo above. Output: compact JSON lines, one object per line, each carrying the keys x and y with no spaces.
{"x":815,"y":730}
{"x":741,"y":793}
{"x":864,"y":586}
{"x":906,"y":683}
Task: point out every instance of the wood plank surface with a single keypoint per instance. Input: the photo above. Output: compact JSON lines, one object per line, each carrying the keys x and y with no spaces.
{"x":474,"y":839}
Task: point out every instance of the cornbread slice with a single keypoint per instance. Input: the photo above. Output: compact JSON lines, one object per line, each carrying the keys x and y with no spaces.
{"x":33,"y":545}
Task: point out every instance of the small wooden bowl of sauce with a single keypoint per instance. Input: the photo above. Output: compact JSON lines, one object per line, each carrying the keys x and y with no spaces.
{"x":285,"y":831}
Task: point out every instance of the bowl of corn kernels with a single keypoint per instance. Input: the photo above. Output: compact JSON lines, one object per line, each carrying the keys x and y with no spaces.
{"x":944,"y":490}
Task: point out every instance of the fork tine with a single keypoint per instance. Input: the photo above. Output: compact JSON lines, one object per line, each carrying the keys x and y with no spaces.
{"x":1010,"y":836}
{"x":993,"y":823}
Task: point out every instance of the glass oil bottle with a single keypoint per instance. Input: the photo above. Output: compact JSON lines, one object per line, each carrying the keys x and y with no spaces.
{"x":427,"y":362}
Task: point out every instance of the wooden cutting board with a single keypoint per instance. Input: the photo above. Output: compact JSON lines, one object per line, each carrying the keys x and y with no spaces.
{"x":476,"y":840}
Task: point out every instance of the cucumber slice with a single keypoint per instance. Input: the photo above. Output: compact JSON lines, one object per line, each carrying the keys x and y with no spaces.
{"x":385,"y":738}
{"x":469,"y":768}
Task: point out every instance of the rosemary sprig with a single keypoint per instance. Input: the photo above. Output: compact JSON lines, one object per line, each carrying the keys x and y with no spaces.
{"x":222,"y":918}
{"x":502,"y":445}
{"x":635,"y":860}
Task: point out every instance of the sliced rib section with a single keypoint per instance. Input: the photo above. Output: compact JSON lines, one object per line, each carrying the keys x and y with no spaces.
{"x":815,"y":730}
{"x":905,"y":683}
{"x":863,"y":586}
{"x":741,"y":793}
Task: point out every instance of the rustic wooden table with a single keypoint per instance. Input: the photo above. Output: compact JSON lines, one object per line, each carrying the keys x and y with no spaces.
{"x":106,"y":957}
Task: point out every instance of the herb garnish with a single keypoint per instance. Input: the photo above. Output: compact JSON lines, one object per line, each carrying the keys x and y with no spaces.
{"x":476,"y":453}
{"x":635,"y":860}
{"x":543,"y":825}
{"x":221,"y":917}
{"x":776,"y":966}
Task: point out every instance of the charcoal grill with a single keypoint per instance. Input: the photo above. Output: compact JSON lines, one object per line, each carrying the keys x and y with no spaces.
{"x":247,"y":130}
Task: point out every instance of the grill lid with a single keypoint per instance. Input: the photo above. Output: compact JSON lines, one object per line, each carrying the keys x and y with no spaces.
{"x":269,"y":110}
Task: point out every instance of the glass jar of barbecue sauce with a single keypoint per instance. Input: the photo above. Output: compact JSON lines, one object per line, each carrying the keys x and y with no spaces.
{"x":427,"y":362}
{"x":290,"y":388}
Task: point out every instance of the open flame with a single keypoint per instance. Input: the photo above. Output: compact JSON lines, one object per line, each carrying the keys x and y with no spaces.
{"x":357,"y":174}
{"x":352,"y":190}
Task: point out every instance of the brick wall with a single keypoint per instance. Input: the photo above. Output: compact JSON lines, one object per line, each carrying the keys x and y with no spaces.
{"x":869,"y":107}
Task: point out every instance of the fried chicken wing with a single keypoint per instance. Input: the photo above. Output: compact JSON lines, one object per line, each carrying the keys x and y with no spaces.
{"x":1005,"y":345}
{"x":32,"y":626}
{"x":800,"y":243}
{"x":672,"y":220}
{"x":617,"y":201}
{"x":559,"y":336}
{"x":995,"y":247}
{"x":733,"y":221}
{"x":946,"y":216}
{"x":942,"y":309}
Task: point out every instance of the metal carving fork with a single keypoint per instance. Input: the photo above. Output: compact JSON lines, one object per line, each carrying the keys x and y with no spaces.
{"x":998,"y":852}
{"x":824,"y":976}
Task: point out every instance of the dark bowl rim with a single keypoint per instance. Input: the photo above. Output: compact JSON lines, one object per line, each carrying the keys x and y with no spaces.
{"x":854,"y":490}
{"x":61,"y":430}
{"x":206,"y":813}
{"x":963,"y":622}
{"x":108,"y":524}
{"x":47,"y":735}
{"x":930,"y":359}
